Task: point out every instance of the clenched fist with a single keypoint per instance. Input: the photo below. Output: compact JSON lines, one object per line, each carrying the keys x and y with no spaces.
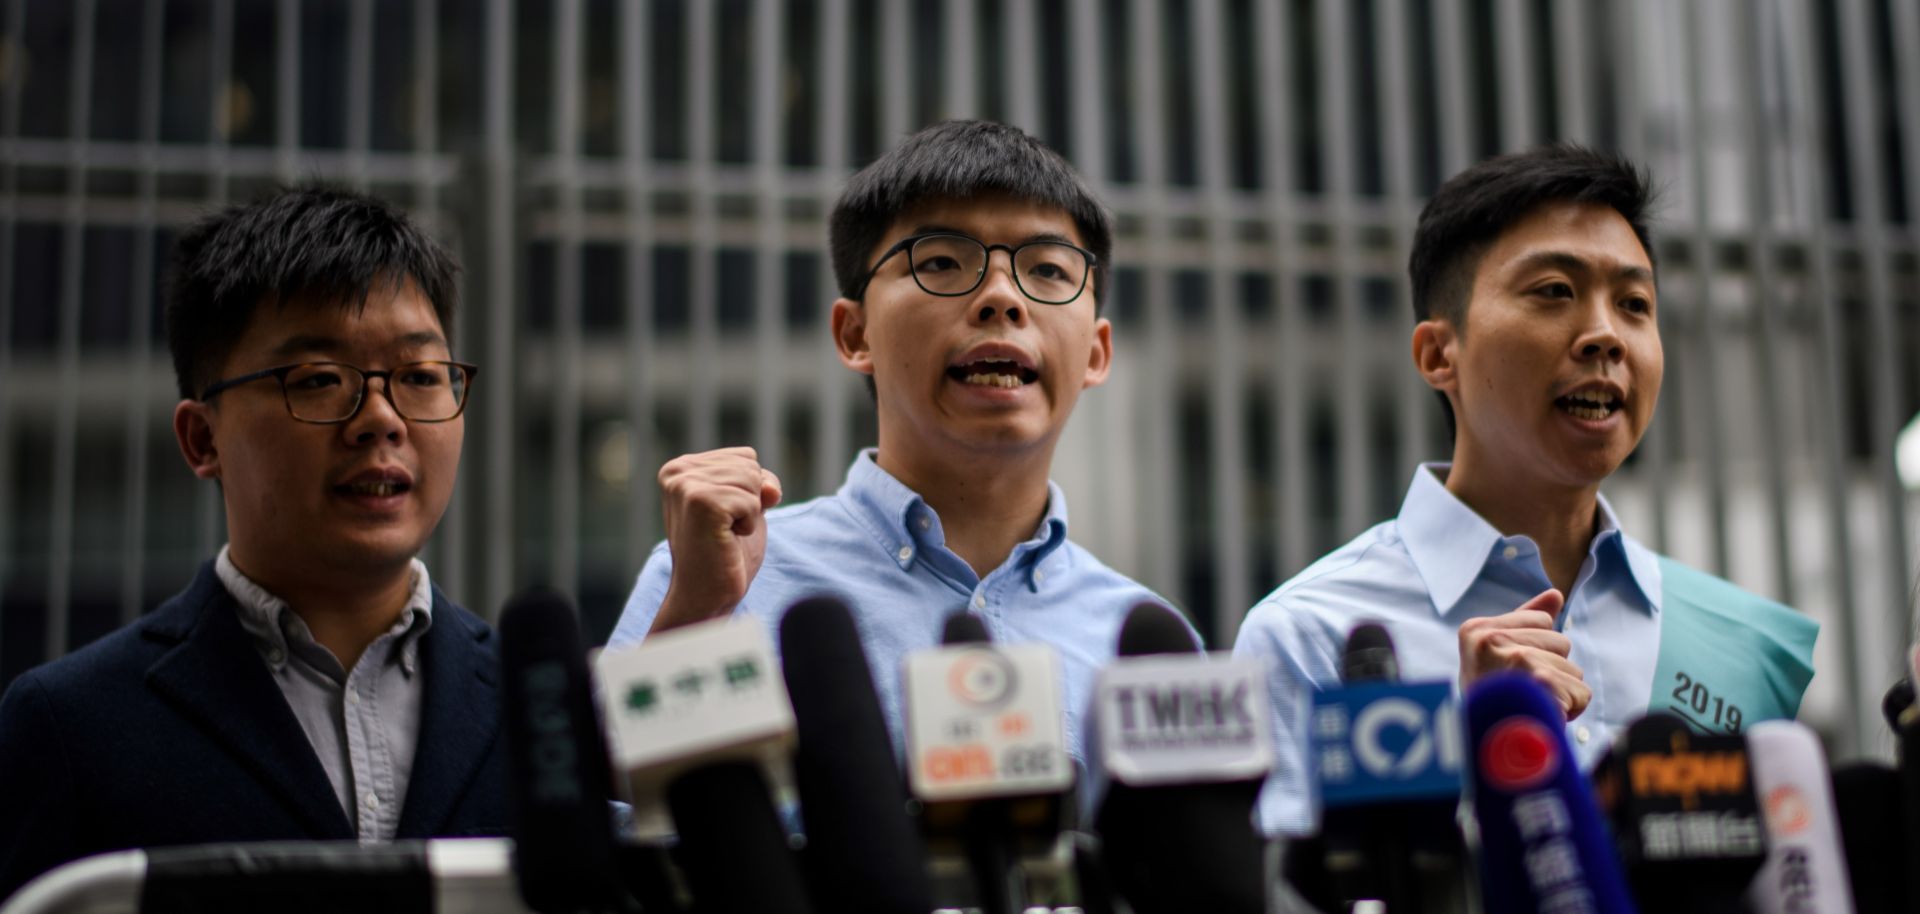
{"x":1525,"y":640}
{"x":715,"y":505}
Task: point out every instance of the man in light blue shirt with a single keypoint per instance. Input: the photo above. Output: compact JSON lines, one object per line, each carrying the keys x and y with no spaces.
{"x":971,"y":260}
{"x":1534,"y":293}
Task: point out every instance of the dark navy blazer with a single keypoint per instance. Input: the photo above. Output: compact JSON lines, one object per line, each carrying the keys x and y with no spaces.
{"x":171,"y":731}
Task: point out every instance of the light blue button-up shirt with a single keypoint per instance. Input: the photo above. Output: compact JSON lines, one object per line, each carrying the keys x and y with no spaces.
{"x":878,"y":546}
{"x":1421,"y":575}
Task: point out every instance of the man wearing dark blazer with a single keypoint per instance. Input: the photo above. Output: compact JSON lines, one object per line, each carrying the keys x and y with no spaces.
{"x":310,"y":683}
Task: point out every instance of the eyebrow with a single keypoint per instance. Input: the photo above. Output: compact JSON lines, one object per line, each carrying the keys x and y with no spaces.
{"x":311,"y":342}
{"x":1030,"y":239}
{"x":1573,"y":263}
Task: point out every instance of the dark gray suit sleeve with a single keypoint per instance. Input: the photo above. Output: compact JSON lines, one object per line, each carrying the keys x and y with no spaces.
{"x":39,"y":811}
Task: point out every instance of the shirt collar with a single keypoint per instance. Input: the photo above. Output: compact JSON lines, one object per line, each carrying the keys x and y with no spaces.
{"x":269,"y":620}
{"x":1450,"y":544}
{"x":901,"y":521}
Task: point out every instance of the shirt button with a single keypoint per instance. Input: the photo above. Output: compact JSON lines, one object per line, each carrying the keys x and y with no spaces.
{"x":1581,"y":735}
{"x":905,"y":553}
{"x":274,"y":656}
{"x":979,"y":601}
{"x":1510,"y":552}
{"x":373,"y":801}
{"x":926,"y":522}
{"x":353,"y":698}
{"x":1039,"y":577}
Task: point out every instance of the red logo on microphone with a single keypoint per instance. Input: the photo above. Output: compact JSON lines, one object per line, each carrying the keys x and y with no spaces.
{"x":1787,"y":810}
{"x":1518,"y":754}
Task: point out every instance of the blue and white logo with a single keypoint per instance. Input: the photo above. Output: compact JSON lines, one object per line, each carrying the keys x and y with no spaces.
{"x":1386,"y":740}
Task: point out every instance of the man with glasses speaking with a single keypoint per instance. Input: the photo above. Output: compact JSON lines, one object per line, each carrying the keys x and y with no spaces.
{"x":971,"y":261}
{"x":310,"y":683}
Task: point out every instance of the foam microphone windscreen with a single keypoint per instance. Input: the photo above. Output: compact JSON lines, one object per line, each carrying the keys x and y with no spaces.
{"x":1873,"y":834}
{"x":733,"y":850}
{"x":1154,"y":629}
{"x":561,"y":779}
{"x":1180,"y":846}
{"x":1898,"y":699}
{"x":964,"y":628}
{"x":1369,"y":655}
{"x":864,"y":853}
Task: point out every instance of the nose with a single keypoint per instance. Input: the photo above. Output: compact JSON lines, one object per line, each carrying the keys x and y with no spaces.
{"x":376,"y":418}
{"x":999,"y":296}
{"x":1600,"y":339}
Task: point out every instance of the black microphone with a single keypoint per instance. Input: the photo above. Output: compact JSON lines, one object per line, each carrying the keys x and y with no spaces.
{"x":1685,"y":816}
{"x":864,"y":852}
{"x":1873,"y":833}
{"x":561,"y":780}
{"x":1400,"y":842}
{"x":733,"y":849}
{"x":1184,"y":840}
{"x":964,"y":628}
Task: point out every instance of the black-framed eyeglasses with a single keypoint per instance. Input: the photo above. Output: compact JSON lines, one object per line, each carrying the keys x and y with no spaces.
{"x":944,"y":263}
{"x":326,"y":393}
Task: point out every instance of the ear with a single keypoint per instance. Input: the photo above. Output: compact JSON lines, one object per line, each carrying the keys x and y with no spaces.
{"x":1100,"y":357}
{"x":193,"y":431}
{"x":849,"y":322}
{"x":1436,"y":347}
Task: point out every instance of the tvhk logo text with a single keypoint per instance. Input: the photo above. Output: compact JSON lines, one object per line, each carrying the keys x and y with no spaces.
{"x":1383,"y":740}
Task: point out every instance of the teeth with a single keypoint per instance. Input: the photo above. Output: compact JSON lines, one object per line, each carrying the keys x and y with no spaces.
{"x":375,"y":489}
{"x":1594,"y":413}
{"x":1597,"y":398}
{"x":993,"y":380}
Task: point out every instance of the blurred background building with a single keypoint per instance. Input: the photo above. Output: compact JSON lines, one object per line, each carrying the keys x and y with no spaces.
{"x":639,"y":191}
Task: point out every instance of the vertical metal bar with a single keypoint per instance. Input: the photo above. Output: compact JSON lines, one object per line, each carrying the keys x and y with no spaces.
{"x":635,"y":155}
{"x":1831,"y":418}
{"x":501,"y":316}
{"x":449,"y":559}
{"x":1884,"y":421}
{"x":1023,"y":72}
{"x":1762,"y":296}
{"x":359,"y":89}
{"x":1906,"y":26}
{"x":1276,"y":145}
{"x":1656,"y":446}
{"x":1227,"y":444}
{"x":1160,"y":527}
{"x":702,"y":398}
{"x":831,"y":389}
{"x":140,"y":400}
{"x":1458,"y":113}
{"x":1334,"y":34}
{"x":563,"y":553}
{"x":769,"y":330}
{"x":286,"y":89}
{"x":1573,"y":70}
{"x":66,"y":415}
{"x":211,"y":509}
{"x":1415,"y":400}
{"x":1702,"y":328}
{"x":1106,"y":413}
{"x":896,"y":76}
{"x":961,"y":40}
{"x":10,"y":103}
{"x":1514,"y":35}
{"x":1089,"y":76}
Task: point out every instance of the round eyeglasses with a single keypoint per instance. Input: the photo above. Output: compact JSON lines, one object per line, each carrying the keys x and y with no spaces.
{"x":326,"y":393}
{"x":944,"y":263}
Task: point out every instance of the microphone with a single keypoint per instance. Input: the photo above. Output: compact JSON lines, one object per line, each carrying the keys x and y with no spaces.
{"x":1684,"y":812}
{"x":864,"y":852}
{"x":733,"y":849}
{"x":1873,"y":834}
{"x":1386,"y":760}
{"x":701,"y":731}
{"x":987,"y":754}
{"x":1187,"y":741}
{"x":1543,"y":844}
{"x":561,"y":784}
{"x":1806,"y":870}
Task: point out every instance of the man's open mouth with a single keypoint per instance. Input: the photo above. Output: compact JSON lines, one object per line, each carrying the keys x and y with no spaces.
{"x":380,"y":489}
{"x":1592,"y":405}
{"x":992,"y":373}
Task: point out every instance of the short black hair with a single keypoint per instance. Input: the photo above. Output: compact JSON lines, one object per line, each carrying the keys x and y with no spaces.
{"x":315,"y":244}
{"x":960,"y":160}
{"x":1475,"y":207}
